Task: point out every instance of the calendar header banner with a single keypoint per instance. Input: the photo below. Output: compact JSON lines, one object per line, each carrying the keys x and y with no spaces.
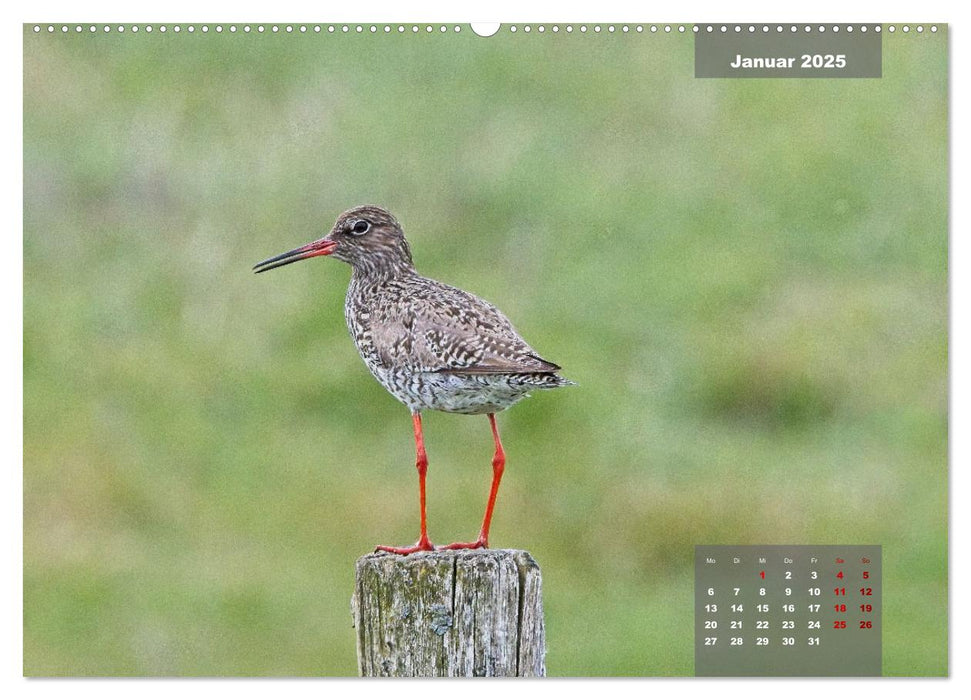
{"x":788,"y":51}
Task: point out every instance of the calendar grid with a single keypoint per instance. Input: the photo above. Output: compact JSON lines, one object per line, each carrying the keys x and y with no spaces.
{"x":788,"y":610}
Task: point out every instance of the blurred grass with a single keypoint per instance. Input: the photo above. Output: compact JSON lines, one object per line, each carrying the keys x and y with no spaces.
{"x":746,"y":278}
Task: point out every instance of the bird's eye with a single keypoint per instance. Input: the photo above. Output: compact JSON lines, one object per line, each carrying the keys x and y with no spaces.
{"x":360,"y":226}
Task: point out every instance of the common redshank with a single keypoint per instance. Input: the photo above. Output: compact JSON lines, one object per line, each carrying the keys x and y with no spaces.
{"x":431,"y":345}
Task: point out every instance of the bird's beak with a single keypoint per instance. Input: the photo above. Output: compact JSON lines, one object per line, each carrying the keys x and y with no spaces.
{"x":325,"y":246}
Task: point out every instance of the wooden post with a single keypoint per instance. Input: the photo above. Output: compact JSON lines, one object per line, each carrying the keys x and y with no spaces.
{"x":450,"y":613}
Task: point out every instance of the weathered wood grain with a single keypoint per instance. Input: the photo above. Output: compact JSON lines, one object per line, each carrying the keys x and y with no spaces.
{"x":455,"y":613}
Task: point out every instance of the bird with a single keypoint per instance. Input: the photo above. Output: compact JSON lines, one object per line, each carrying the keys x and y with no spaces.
{"x":431,"y":345}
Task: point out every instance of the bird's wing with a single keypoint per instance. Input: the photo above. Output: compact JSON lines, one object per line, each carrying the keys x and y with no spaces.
{"x":445,"y":329}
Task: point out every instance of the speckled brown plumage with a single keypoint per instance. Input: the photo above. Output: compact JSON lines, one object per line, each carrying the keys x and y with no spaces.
{"x":433,"y":346}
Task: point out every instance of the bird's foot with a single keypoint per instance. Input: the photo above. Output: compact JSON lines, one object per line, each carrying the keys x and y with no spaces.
{"x":422,"y":545}
{"x":481,"y":543}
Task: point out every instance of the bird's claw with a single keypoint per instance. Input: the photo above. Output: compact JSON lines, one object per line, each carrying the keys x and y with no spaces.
{"x":480,"y":543}
{"x":422,"y":545}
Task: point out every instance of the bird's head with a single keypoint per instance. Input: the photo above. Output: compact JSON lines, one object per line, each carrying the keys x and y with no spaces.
{"x":368,"y":237}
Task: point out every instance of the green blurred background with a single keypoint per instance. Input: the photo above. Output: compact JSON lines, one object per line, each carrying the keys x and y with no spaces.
{"x":747,"y":279}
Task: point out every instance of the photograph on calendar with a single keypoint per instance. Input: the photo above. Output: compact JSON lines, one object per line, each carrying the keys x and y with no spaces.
{"x":521,"y":349}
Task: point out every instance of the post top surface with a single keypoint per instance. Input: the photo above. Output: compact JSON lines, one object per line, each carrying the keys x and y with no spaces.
{"x":449,"y":555}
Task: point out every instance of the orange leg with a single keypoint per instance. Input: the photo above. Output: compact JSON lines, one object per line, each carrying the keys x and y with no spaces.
{"x":421,"y":463}
{"x":498,"y":466}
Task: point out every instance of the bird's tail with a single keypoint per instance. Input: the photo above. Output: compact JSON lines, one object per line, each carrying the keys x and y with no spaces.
{"x":548,"y":380}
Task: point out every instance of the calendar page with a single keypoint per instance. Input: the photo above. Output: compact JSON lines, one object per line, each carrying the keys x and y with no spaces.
{"x":681,"y":286}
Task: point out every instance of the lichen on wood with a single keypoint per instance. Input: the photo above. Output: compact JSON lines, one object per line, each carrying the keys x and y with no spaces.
{"x":449,"y":613}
